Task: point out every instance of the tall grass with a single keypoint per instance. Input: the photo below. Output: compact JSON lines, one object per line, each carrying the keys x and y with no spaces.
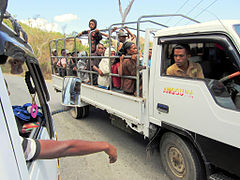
{"x":39,"y":40}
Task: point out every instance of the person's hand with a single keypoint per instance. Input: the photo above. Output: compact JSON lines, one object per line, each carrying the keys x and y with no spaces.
{"x":79,"y":34}
{"x":141,"y":67}
{"x":100,"y":73}
{"x":114,"y":29}
{"x":112,"y":152}
{"x":135,"y":93}
{"x":96,"y":30}
{"x":134,"y":57}
{"x":121,"y":58}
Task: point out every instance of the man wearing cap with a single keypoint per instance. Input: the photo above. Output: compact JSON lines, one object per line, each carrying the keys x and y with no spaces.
{"x":122,"y":37}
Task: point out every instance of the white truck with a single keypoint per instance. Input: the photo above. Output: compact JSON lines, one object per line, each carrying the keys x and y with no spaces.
{"x":16,"y":50}
{"x":195,"y":122}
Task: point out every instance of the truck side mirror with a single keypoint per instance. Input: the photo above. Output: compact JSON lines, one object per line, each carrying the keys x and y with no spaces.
{"x":71,"y":91}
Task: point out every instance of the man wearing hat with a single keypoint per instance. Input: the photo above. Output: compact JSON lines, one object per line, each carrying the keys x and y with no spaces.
{"x":122,"y":37}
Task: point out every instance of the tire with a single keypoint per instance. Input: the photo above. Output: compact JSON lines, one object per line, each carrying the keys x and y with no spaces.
{"x":79,"y":112}
{"x":179,"y":158}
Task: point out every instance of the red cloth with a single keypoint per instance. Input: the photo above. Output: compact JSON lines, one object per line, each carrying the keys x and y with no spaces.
{"x":116,"y":80}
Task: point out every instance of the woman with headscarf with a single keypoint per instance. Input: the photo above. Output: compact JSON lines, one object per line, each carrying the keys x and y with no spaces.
{"x":96,"y":36}
{"x":128,"y":67}
{"x":104,"y":66}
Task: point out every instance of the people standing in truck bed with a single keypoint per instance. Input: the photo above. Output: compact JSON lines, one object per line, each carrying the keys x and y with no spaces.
{"x":182,"y":66}
{"x":94,"y":63}
{"x":73,"y":63}
{"x":128,"y":67}
{"x":54,"y":60}
{"x":96,"y":36}
{"x":104,"y":66}
{"x":62,"y":63}
{"x":116,"y":81}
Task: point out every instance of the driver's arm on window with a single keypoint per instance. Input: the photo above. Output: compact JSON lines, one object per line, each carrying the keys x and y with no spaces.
{"x":50,"y":149}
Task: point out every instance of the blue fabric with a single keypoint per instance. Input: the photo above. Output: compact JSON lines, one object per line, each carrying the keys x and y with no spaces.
{"x":104,"y":87}
{"x":149,"y":62}
{"x":22,"y":113}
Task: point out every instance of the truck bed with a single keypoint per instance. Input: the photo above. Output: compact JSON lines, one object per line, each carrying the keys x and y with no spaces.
{"x":125,"y":106}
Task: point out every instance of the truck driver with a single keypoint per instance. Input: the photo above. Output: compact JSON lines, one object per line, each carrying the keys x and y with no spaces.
{"x":182,"y":66}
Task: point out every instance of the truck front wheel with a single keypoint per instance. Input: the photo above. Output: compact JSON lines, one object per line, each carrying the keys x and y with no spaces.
{"x":80,"y":112}
{"x":179,"y":158}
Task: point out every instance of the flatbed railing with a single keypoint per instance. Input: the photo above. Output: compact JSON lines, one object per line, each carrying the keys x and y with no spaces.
{"x":141,"y":20}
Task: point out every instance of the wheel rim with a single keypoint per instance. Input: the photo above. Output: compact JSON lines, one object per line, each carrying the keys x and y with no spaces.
{"x":176,"y":162}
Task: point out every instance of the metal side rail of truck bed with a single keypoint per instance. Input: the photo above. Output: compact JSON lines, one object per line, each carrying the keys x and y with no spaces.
{"x":125,"y":106}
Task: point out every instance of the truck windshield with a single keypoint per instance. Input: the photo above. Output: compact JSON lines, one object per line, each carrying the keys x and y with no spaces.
{"x":237,"y":29}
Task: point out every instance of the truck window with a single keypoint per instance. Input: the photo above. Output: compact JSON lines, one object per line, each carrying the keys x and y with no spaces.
{"x":215,"y":60}
{"x":28,"y":120}
{"x":218,"y":60}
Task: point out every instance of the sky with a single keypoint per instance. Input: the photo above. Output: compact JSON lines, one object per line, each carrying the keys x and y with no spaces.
{"x":73,"y":15}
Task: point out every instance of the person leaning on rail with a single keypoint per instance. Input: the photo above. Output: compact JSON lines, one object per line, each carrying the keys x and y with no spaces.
{"x":96,"y":36}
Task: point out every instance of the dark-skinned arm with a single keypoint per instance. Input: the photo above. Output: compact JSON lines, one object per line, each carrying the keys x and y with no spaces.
{"x":120,"y":72}
{"x":54,"y":149}
{"x":95,"y":68}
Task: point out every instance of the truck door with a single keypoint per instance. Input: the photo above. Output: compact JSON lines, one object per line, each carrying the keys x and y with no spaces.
{"x":206,"y":107}
{"x":39,"y":128}
{"x":41,"y":169}
{"x":10,"y":159}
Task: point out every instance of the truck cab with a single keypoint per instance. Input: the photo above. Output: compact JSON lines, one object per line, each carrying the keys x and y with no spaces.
{"x":16,"y":56}
{"x":204,"y":112}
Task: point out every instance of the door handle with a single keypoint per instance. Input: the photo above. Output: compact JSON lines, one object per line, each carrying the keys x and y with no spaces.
{"x":162,"y":108}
